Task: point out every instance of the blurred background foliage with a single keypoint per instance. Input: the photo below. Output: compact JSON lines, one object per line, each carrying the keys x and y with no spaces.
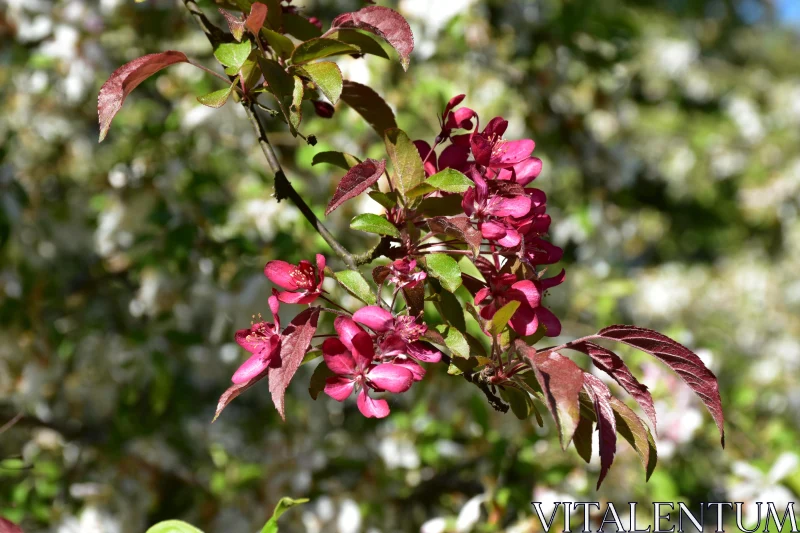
{"x":669,"y":133}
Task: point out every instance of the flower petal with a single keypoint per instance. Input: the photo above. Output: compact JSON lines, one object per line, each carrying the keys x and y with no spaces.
{"x":525,"y":291}
{"x":524,"y":321}
{"x":375,"y":318}
{"x":372,"y":408}
{"x":250,"y":369}
{"x":427,"y":155}
{"x":389,"y":377}
{"x":550,"y":321}
{"x":454,"y":156}
{"x":509,"y":153}
{"x":528,"y":170}
{"x":338,"y":359}
{"x":417,"y":372}
{"x":281,"y":274}
{"x":558,"y":279}
{"x":363,"y":349}
{"x":320,"y":270}
{"x":422,"y":352}
{"x":339,"y":387}
{"x":274,"y":307}
{"x":346,"y":329}
{"x":514,"y":206}
{"x":492,"y":230}
{"x":296,"y":297}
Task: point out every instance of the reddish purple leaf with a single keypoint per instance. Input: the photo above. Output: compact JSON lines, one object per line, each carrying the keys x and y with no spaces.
{"x":383,"y":22}
{"x":235,"y":24}
{"x":125,"y":79}
{"x":369,"y":104}
{"x":680,"y":359}
{"x":296,"y":340}
{"x":612,"y":364}
{"x":561,"y":381}
{"x":606,"y":424}
{"x":458,"y":227}
{"x":357,"y":180}
{"x":256,"y":18}
{"x":235,"y":390}
{"x":7,"y":526}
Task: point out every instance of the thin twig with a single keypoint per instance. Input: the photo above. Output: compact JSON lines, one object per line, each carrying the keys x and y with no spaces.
{"x":8,"y":425}
{"x":283,"y":187}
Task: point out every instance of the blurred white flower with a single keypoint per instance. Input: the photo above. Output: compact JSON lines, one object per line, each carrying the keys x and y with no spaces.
{"x":470,"y":513}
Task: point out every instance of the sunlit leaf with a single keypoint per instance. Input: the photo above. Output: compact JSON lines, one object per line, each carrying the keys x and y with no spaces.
{"x":371,"y":223}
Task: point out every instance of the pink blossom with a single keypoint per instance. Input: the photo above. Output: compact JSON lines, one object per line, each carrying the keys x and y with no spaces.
{"x":263,"y":340}
{"x":493,"y":206}
{"x":351,"y":357}
{"x":503,"y":288}
{"x":490,"y":149}
{"x":402,"y":274}
{"x":398,"y":338}
{"x":453,"y":118}
{"x":303,"y":282}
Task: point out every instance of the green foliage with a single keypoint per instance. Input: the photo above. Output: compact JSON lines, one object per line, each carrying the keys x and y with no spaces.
{"x":374,"y":224}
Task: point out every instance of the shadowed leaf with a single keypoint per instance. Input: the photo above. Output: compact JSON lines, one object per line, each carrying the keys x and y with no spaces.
{"x":369,"y":104}
{"x":319,"y":48}
{"x":583,"y":439}
{"x":340,"y":159}
{"x":408,"y":170}
{"x":636,"y":433}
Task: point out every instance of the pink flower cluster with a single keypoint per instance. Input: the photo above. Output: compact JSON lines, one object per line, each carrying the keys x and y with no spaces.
{"x":510,"y":216}
{"x":502,"y":229}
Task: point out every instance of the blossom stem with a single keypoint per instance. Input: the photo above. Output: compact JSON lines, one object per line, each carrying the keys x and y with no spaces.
{"x":335,"y":311}
{"x":334,"y":303}
{"x":283,"y":187}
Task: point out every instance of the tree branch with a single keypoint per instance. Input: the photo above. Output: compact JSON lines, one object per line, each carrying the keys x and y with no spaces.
{"x":283,"y":187}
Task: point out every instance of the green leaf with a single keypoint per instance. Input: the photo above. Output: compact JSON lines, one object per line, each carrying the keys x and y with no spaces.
{"x":317,"y":383}
{"x":173,"y":526}
{"x":452,"y":311}
{"x":502,"y":316}
{"x":364,"y":41}
{"x":441,"y":207}
{"x":233,"y":54}
{"x":216,"y":99}
{"x":386,"y":200}
{"x":408,"y":171}
{"x":327,"y":76}
{"x":374,"y":224}
{"x":454,"y":340}
{"x":521,"y":404}
{"x":296,"y":109}
{"x":354,"y":283}
{"x":445,"y":269}
{"x":300,"y":27}
{"x":283,"y":505}
{"x":319,"y":48}
{"x":278,"y":42}
{"x":287,"y":90}
{"x":450,"y":180}
{"x":583,"y":439}
{"x":419,"y":190}
{"x":339,"y":159}
{"x":369,"y":104}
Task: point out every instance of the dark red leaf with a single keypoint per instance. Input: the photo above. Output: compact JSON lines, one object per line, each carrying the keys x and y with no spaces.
{"x":255,"y":20}
{"x":296,"y":340}
{"x":458,"y":227}
{"x":612,"y":364}
{"x":415,"y":298}
{"x":561,"y":381}
{"x":380,"y":273}
{"x":125,"y":79}
{"x":235,"y":390}
{"x":680,"y":359}
{"x":6,"y":526}
{"x":383,"y":22}
{"x":606,"y":423}
{"x":322,"y":109}
{"x":369,"y":105}
{"x":636,"y":433}
{"x":357,"y":180}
